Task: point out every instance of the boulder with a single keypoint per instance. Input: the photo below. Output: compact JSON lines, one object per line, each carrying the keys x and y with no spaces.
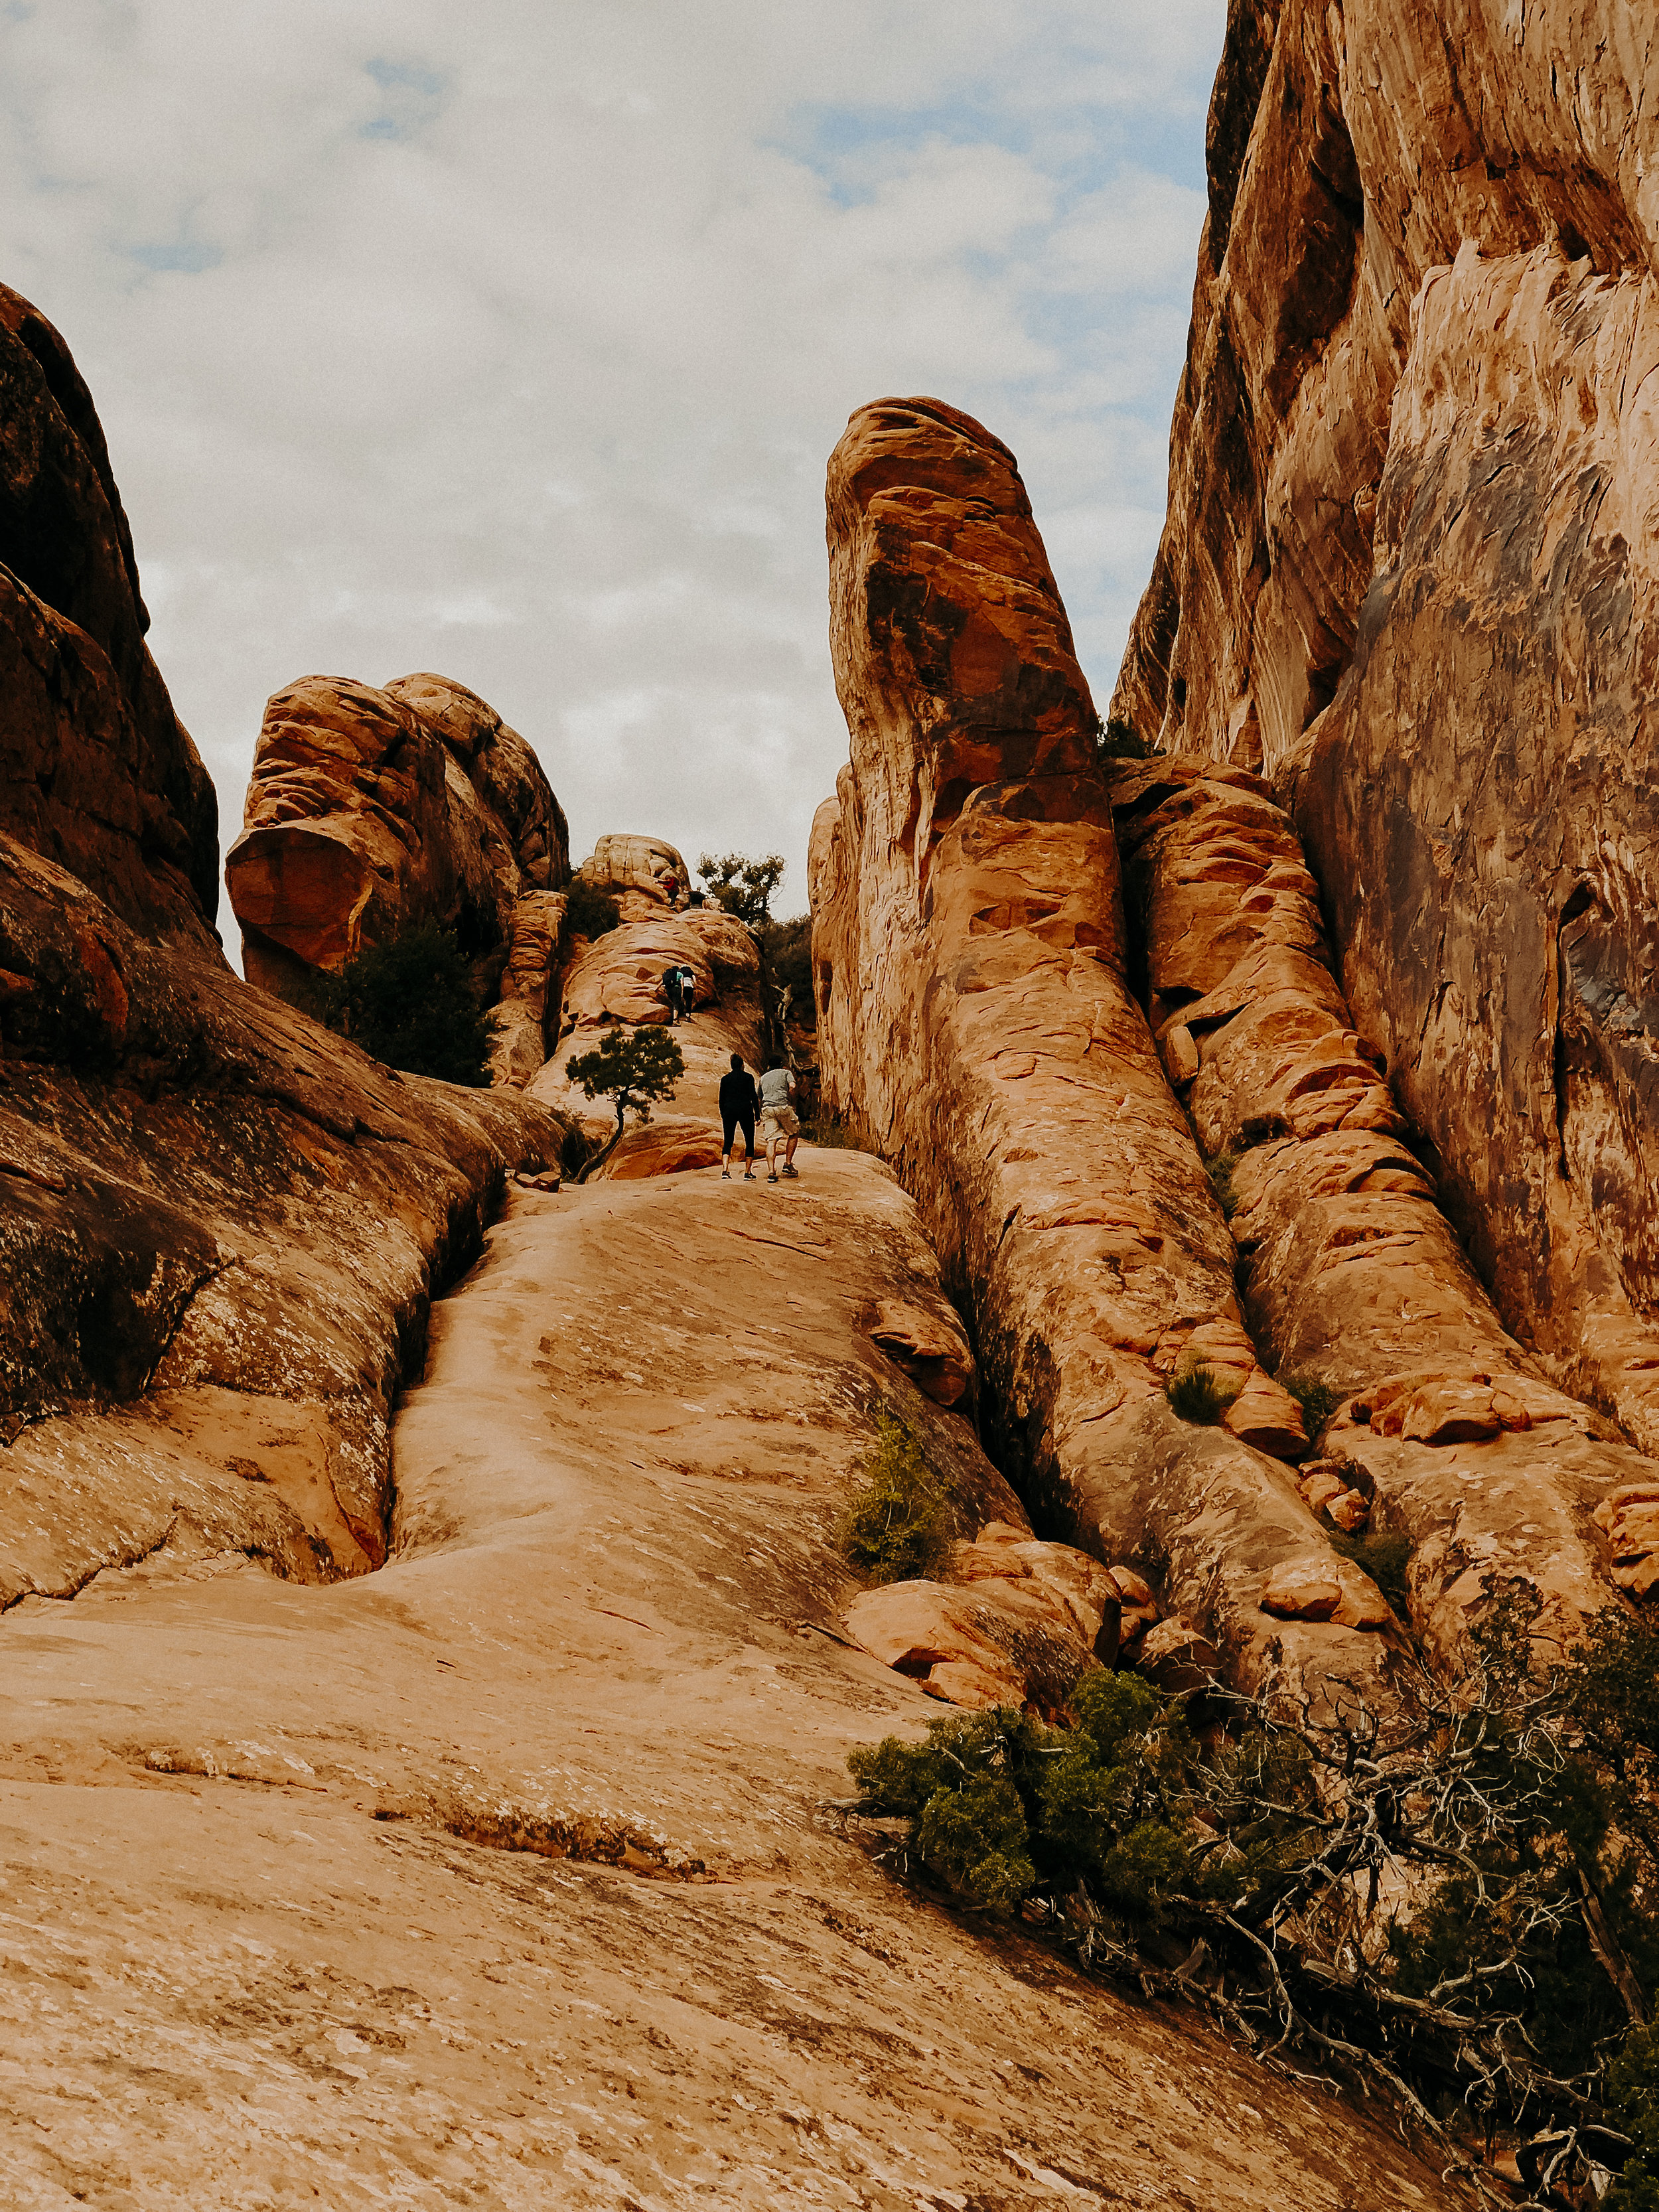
{"x":370,"y":810}
{"x":1407,"y":574}
{"x":1018,"y":1623}
{"x":638,"y":872}
{"x":930,"y":1348}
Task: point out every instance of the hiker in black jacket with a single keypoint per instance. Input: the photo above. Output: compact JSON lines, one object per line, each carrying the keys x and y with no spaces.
{"x":738,"y":1112}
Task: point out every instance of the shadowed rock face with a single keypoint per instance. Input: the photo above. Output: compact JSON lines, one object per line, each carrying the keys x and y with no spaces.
{"x":1409,"y":570}
{"x":97,"y":771}
{"x":369,"y":810}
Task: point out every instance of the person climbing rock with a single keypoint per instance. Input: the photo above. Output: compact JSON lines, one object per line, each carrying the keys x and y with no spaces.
{"x":737,"y":1101}
{"x":780,"y":1124}
{"x":679,"y":987}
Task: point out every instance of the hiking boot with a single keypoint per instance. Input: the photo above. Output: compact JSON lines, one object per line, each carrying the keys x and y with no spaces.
{"x":771,"y":1178}
{"x":793,"y":1174}
{"x":726,"y":1175}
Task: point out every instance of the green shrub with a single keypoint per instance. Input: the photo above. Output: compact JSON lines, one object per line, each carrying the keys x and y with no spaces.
{"x":787,"y":947}
{"x":407,"y":1002}
{"x":1220,"y":1172}
{"x":1453,"y":1892}
{"x":741,"y":884}
{"x":900,"y":1526}
{"x":588,"y":911}
{"x":1318,"y":1400}
{"x":1118,"y":740}
{"x":1385,"y":1560}
{"x":1198,"y":1394}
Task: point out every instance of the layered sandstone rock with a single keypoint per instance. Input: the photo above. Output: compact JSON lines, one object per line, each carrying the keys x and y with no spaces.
{"x":1409,"y":571}
{"x":1353,"y":1277}
{"x":1017,"y":1623}
{"x":643,"y":874}
{"x":506,"y":1874}
{"x":975,"y":1020}
{"x":221,"y":1226}
{"x":96,"y":772}
{"x":369,"y":810}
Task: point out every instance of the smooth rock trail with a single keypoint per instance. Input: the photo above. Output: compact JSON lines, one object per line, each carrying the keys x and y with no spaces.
{"x":254,"y":1956}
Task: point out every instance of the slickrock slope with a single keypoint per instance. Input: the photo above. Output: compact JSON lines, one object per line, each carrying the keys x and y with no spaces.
{"x":1409,"y":571}
{"x":262,"y":1944}
{"x":968,"y":944}
{"x":367,"y":810}
{"x":1353,"y":1277}
{"x":97,"y":771}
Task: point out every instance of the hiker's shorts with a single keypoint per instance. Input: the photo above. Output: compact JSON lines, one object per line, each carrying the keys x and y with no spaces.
{"x":779,"y":1121}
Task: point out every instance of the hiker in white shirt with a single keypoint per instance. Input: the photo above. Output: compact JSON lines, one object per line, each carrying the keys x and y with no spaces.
{"x":780,"y":1124}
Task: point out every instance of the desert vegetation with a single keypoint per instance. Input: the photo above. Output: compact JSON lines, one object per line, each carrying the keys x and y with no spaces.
{"x":407,"y":1002}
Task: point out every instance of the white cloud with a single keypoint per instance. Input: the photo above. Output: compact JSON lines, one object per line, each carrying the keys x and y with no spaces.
{"x":512,"y":341}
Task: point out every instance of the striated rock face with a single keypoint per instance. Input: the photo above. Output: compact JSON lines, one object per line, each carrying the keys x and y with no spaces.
{"x":974,"y":1020}
{"x":97,"y":771}
{"x":367,"y":810}
{"x":1409,"y":572}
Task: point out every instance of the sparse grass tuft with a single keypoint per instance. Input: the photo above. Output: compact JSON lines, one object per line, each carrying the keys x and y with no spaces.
{"x":1220,"y":1172}
{"x":1198,"y":1394}
{"x":1318,"y":1400}
{"x":900,"y":1526}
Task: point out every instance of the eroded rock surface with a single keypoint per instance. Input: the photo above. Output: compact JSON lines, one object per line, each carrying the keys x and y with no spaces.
{"x":506,"y":1871}
{"x":1409,"y":572}
{"x":975,"y":1018}
{"x":645,"y":875}
{"x":97,"y":771}
{"x":367,"y":810}
{"x":1354,"y":1278}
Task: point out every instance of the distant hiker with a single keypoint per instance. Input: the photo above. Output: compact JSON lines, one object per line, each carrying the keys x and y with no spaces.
{"x":679,"y":987}
{"x":670,"y":887}
{"x":780,"y":1124}
{"x":738,"y":1102}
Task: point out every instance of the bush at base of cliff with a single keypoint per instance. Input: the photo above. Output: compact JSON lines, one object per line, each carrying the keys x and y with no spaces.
{"x":407,"y":1002}
{"x":1455,"y":1896}
{"x":899,"y":1527}
{"x":588,"y":911}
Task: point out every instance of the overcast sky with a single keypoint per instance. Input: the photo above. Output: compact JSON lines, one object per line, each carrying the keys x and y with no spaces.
{"x":510,"y":340}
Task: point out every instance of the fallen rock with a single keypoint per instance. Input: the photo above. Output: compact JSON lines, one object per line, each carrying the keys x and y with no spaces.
{"x":1178,"y":1658}
{"x":932,"y":1353}
{"x":1328,"y":1589}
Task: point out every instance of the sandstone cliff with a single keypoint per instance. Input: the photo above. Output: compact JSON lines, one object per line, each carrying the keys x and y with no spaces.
{"x":1408,"y":572}
{"x":219,"y":1226}
{"x":96,"y":772}
{"x":971,"y":957}
{"x":367,"y":810}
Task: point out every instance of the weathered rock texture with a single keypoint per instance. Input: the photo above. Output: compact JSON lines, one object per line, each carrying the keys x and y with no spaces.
{"x":1409,"y":569}
{"x":505,"y":1876}
{"x":974,"y":1018}
{"x":96,"y":772}
{"x":1353,"y":1276}
{"x":637,"y":871}
{"x":369,"y":810}
{"x":219,"y":1226}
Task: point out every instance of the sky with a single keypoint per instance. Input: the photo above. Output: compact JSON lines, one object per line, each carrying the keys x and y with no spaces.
{"x":510,"y":341}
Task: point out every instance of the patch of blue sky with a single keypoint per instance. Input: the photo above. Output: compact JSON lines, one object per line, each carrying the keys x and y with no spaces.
{"x":182,"y":255}
{"x":411,"y":97}
{"x":851,"y":149}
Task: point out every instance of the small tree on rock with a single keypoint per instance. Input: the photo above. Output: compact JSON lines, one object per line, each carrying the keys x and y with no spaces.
{"x":632,"y":1066}
{"x":742,"y":886}
{"x":407,"y":1002}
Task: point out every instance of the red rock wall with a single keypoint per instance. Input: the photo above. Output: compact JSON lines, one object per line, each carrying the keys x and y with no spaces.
{"x":1409,"y":570}
{"x":97,"y":771}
